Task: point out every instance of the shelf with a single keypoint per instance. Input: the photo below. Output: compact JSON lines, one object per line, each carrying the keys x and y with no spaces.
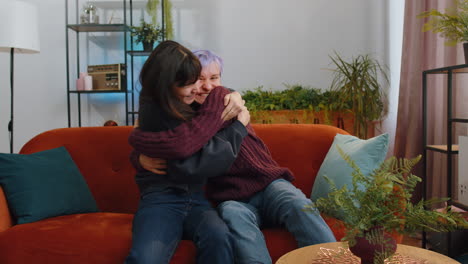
{"x":139,"y":53}
{"x":462,"y":68}
{"x":443,"y":148}
{"x":97,"y":91}
{"x":460,"y":205}
{"x":112,"y":4}
{"x":460,"y":120}
{"x":120,"y":29}
{"x":99,"y":27}
{"x":450,"y":175}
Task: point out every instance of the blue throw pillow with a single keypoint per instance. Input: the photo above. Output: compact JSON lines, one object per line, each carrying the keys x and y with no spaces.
{"x":44,"y":184}
{"x":367,"y":154}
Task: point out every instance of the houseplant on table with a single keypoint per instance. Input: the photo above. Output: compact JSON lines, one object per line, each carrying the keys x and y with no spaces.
{"x":379,"y":204}
{"x":147,"y":34}
{"x":452,"y":25}
{"x":360,"y":82}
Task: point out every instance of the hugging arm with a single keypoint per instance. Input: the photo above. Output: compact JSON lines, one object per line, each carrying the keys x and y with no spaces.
{"x":187,"y":138}
{"x":214,"y":159}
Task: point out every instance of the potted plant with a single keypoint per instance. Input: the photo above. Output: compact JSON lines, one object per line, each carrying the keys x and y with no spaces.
{"x":379,"y":204}
{"x":360,"y":84}
{"x":452,"y":25}
{"x":147,"y":34}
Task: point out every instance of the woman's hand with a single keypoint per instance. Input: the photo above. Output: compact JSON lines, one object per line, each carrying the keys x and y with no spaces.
{"x":234,"y":106}
{"x":244,"y":116}
{"x":154,"y":165}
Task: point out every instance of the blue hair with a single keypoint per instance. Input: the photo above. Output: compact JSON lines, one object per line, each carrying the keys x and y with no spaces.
{"x":207,"y":57}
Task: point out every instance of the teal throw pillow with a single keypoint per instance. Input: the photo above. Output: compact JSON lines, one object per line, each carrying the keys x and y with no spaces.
{"x":367,"y":154}
{"x":43,"y":185}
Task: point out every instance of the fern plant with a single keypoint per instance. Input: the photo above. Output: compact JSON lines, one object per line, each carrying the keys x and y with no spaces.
{"x":382,"y":199}
{"x":452,"y":25}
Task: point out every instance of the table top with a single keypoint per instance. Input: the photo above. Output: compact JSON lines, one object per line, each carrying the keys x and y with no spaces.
{"x":338,"y":252}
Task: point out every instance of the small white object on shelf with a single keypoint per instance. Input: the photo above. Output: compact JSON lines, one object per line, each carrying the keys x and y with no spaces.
{"x":88,"y":83}
{"x":90,"y":14}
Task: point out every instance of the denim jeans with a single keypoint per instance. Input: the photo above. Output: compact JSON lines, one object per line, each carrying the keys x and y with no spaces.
{"x":280,"y":203}
{"x":165,"y":216}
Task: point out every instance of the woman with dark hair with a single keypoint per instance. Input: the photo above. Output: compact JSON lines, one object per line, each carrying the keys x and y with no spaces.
{"x":255,"y":191}
{"x":173,"y":205}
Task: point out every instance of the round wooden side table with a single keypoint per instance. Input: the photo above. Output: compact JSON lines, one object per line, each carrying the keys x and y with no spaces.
{"x":338,"y":252}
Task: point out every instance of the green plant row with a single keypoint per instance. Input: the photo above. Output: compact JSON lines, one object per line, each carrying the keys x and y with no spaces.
{"x":294,"y":97}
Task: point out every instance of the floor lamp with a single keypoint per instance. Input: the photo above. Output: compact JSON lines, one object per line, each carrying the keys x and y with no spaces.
{"x":18,"y":34}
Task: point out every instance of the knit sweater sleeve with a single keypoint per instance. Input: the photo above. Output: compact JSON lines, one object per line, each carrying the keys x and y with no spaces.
{"x":187,"y":138}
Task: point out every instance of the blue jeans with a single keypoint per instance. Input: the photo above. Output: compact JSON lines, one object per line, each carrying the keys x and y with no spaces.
{"x":280,"y":203}
{"x":164,"y":216}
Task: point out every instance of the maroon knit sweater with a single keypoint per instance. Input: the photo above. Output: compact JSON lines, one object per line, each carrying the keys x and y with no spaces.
{"x":251,"y":172}
{"x":187,"y":138}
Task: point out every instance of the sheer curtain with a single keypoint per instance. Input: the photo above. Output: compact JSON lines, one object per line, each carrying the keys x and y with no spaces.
{"x":423,"y":51}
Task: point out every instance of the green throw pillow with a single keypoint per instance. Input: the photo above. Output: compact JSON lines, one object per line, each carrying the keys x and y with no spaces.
{"x":44,"y":184}
{"x":367,"y":154}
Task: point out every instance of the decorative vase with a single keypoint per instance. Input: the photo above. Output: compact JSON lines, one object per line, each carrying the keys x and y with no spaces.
{"x":148,"y":46}
{"x":465,"y":51}
{"x":374,"y":247}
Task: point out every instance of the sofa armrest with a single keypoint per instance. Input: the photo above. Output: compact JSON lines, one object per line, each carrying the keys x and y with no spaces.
{"x":5,"y":216}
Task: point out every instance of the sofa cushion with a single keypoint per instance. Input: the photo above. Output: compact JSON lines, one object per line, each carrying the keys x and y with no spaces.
{"x":367,"y":154}
{"x":94,"y":238}
{"x":44,"y":184}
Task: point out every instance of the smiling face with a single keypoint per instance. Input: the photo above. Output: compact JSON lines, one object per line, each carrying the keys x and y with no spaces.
{"x":209,"y":79}
{"x":188,"y":92}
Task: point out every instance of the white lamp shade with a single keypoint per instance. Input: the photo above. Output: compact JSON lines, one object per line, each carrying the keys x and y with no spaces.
{"x":19,"y":27}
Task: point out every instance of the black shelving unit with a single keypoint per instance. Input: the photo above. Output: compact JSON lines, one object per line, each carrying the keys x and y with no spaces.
{"x":77,"y":28}
{"x":450,"y":149}
{"x":140,"y":53}
{"x":128,"y":53}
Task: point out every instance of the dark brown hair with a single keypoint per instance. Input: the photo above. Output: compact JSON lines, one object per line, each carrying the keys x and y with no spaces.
{"x":170,"y":65}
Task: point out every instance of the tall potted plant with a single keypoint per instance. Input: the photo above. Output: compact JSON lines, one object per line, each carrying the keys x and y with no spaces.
{"x":379,"y":204}
{"x":152,"y":10}
{"x":361,"y":82}
{"x":452,"y":25}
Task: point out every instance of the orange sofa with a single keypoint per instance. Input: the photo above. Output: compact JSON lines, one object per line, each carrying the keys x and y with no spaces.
{"x":102,"y":156}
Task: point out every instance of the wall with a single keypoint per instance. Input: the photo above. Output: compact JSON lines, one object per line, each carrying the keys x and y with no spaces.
{"x":274,"y":42}
{"x":263,"y":42}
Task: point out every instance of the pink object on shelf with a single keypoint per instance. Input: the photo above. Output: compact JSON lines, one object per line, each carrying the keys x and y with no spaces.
{"x":80,"y":84}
